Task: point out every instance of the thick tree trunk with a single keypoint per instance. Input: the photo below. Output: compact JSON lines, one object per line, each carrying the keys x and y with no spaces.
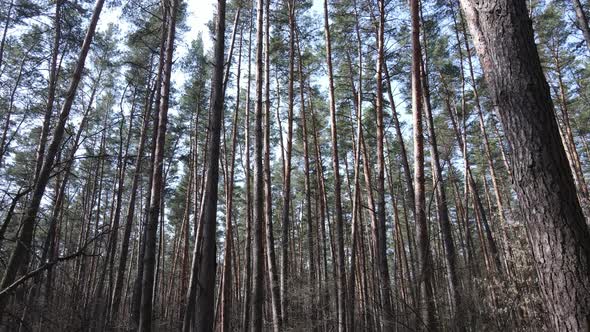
{"x":503,"y":38}
{"x":136,"y":293}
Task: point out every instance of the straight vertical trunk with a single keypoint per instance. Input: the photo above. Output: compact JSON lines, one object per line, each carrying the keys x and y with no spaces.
{"x":287,"y":172}
{"x":340,"y":268}
{"x":227,"y":281}
{"x":257,"y":297}
{"x":116,"y":296}
{"x":424,"y":259}
{"x":204,"y":318}
{"x":270,"y":243}
{"x":381,"y":238}
{"x":149,"y":260}
{"x":443,"y":211}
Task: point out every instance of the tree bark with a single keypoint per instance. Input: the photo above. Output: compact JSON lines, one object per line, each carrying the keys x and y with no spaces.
{"x":503,"y":37}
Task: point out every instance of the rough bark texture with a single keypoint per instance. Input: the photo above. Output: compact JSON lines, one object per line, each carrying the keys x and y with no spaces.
{"x":503,"y":38}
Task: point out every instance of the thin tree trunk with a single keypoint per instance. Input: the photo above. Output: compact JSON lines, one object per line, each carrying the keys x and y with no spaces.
{"x":339,"y":236}
{"x":270,"y":250}
{"x":225,"y":317}
{"x":246,"y":314}
{"x":424,"y":259}
{"x":442,"y":209}
{"x":307,"y":189}
{"x":257,"y":296}
{"x":149,"y":260}
{"x":116,"y":296}
{"x":381,"y":236}
{"x":5,"y":31}
{"x":285,"y":222}
{"x":53,"y":73}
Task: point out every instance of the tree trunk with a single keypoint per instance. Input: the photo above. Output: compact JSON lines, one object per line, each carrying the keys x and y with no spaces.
{"x":207,"y":262}
{"x":340,"y":259}
{"x":116,"y":297}
{"x":270,"y":243}
{"x":287,"y":172}
{"x":503,"y":38}
{"x":424,"y":259}
{"x":381,"y":238}
{"x":53,"y":71}
{"x":442,"y":209}
{"x":257,"y":297}
{"x":149,"y":260}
